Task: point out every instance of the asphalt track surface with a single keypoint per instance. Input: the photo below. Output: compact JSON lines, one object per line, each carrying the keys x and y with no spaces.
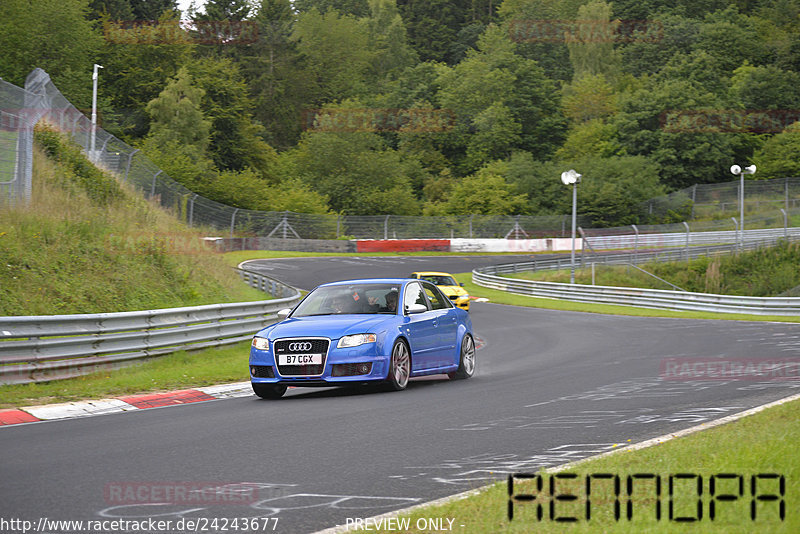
{"x":550,"y":387}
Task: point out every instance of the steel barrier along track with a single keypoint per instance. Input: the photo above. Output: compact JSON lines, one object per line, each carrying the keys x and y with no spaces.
{"x":52,"y":347}
{"x":644,"y":298}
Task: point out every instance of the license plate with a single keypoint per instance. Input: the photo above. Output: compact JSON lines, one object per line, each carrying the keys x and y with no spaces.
{"x":299,"y":359}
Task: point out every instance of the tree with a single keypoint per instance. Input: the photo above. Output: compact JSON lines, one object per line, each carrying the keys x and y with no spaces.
{"x":664,"y":36}
{"x":589,"y":97}
{"x":433,"y":25}
{"x":114,"y":9}
{"x":732,"y":39}
{"x":356,"y":8}
{"x":335,"y":52}
{"x":356,"y":172}
{"x":687,"y":154}
{"x":388,"y":39}
{"x":486,"y":192}
{"x":592,"y":138}
{"x":54,"y":36}
{"x":275,"y":78}
{"x":138,"y":63}
{"x":235,"y":143}
{"x":765,"y":87}
{"x":612,"y":189}
{"x":220,"y":26}
{"x":591,"y":43}
{"x":524,"y":111}
{"x":152,"y":9}
{"x":537,"y":30}
{"x":176,"y":114}
{"x":780,"y":155}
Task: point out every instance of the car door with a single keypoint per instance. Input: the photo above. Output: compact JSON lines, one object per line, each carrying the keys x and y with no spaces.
{"x":446,"y":324}
{"x":420,"y":328}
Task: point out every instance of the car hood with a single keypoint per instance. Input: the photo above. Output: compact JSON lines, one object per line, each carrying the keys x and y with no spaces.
{"x":453,"y":291}
{"x":330,"y":326}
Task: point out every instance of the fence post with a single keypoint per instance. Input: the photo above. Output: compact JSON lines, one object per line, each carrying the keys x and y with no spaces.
{"x":785,"y":223}
{"x":786,"y":193}
{"x":635,"y":243}
{"x":153,"y":186}
{"x":687,"y":240}
{"x":735,"y":231}
{"x":386,"y":227}
{"x":470,"y":225}
{"x":694,"y":195}
{"x":233,"y":221}
{"x":130,"y":159}
{"x":191,"y":209}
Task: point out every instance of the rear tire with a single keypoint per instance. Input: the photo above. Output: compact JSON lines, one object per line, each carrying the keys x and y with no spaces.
{"x":466,"y":364}
{"x":269,"y":391}
{"x":399,"y":366}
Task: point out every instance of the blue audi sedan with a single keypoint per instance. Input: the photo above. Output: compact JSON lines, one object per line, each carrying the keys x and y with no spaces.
{"x":357,"y":332}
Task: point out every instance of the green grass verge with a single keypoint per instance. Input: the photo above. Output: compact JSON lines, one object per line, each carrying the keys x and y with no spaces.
{"x":88,"y":244}
{"x":503,"y":297}
{"x":176,"y":371}
{"x":764,"y":272}
{"x":757,"y":444}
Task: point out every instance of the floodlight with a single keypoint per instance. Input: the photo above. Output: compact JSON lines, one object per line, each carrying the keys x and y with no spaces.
{"x":750,"y":170}
{"x":570,"y":177}
{"x":735,"y":169}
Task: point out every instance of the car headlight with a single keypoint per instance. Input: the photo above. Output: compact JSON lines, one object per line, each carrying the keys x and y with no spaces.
{"x":260,"y":343}
{"x":355,"y":340}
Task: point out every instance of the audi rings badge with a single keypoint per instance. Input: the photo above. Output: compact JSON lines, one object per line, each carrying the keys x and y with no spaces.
{"x":300,"y":346}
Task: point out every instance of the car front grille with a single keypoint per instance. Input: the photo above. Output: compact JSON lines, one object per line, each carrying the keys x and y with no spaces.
{"x":301,"y":346}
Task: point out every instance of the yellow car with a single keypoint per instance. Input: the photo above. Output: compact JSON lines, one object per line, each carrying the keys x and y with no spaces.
{"x":445,"y":281}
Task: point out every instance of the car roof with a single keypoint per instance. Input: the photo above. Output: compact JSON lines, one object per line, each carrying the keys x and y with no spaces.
{"x":368,"y":281}
{"x":434,"y":273}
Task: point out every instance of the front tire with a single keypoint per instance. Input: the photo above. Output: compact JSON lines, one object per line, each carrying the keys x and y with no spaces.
{"x":466,"y":364}
{"x":399,"y":366}
{"x":269,"y":391}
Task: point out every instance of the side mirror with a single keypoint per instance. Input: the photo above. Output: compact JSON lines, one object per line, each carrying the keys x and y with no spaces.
{"x":411,"y":309}
{"x":284,"y":313}
{"x":461,"y":284}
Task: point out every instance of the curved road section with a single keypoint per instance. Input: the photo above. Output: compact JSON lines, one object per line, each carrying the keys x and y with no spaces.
{"x":551,"y":387}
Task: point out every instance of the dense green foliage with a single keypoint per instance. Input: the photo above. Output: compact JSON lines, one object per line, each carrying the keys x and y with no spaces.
{"x":407,"y":107}
{"x":87,"y":245}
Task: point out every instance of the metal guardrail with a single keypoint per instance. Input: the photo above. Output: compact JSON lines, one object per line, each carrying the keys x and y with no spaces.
{"x":645,"y":298}
{"x":52,"y":347}
{"x":677,"y":239}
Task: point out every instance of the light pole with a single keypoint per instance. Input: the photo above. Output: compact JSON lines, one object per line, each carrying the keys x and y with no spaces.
{"x":571,"y":177}
{"x":735,"y":169}
{"x":94,"y":111}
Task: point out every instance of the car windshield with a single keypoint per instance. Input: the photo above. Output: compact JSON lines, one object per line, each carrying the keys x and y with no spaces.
{"x":440,"y":280}
{"x":348,"y":299}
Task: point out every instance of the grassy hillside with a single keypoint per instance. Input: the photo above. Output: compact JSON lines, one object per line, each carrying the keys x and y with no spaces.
{"x":86,"y":244}
{"x":765,"y":272}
